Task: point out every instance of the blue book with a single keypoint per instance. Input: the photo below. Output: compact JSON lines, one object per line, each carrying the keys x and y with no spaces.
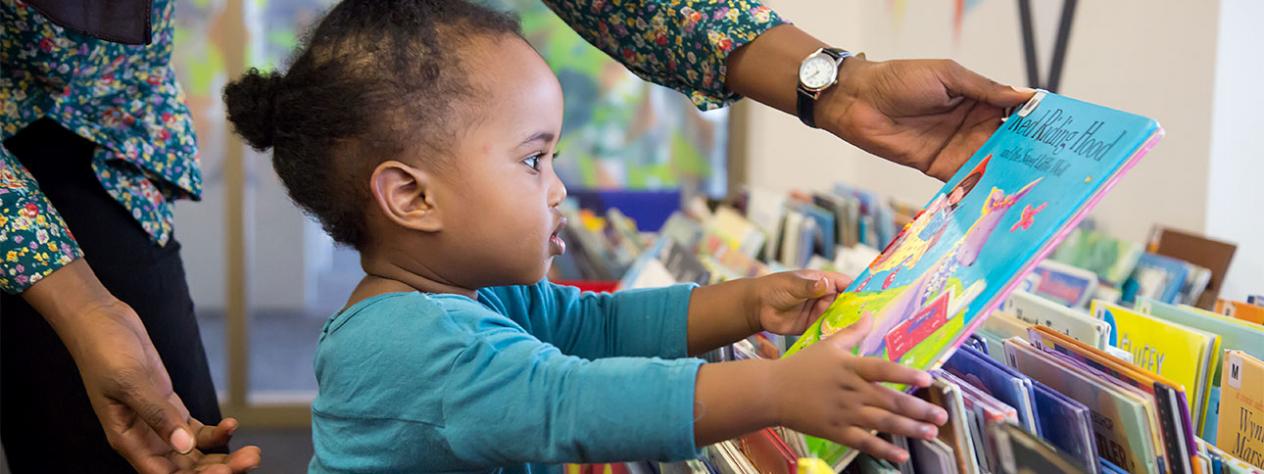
{"x":1003,"y":211}
{"x":1066,"y":424}
{"x":1002,"y":382}
{"x":1212,"y":422}
{"x":825,"y":239}
{"x":1107,"y":467}
{"x":1158,"y":277}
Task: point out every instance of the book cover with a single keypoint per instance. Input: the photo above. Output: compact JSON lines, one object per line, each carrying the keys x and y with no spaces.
{"x":1112,"y":259}
{"x":1002,"y":212}
{"x":1159,"y":277}
{"x":1177,"y":433}
{"x":1002,"y":382}
{"x":1024,"y":453}
{"x":1241,"y":310}
{"x":1069,"y":286}
{"x":1121,"y":423}
{"x":1212,"y":255}
{"x":1078,"y":324}
{"x":1242,"y":408}
{"x":1066,"y":424}
{"x":982,"y":412}
{"x":1180,"y":353}
{"x":955,"y":432}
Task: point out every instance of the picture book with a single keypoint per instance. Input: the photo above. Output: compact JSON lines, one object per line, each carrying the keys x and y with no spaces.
{"x":1176,"y":429}
{"x":1242,"y":408}
{"x":1078,"y":324}
{"x":1006,"y":384}
{"x":1112,"y":259}
{"x":1120,"y":422}
{"x":1069,"y":286}
{"x":956,"y":431}
{"x":1241,"y":310}
{"x":1213,"y":255}
{"x":1066,"y":424}
{"x":1183,"y":354}
{"x":982,"y":412}
{"x":1024,"y":453}
{"x":1234,"y":334}
{"x":1158,"y":277}
{"x":1003,"y":211}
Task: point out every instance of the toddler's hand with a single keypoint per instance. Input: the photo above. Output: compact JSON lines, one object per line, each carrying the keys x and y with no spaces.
{"x":789,"y":302}
{"x":831,"y":393}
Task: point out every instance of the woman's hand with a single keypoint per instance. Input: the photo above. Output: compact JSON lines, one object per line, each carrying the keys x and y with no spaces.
{"x":927,"y":114}
{"x":127,"y":384}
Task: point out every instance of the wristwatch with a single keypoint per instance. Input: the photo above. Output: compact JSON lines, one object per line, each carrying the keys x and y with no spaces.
{"x":819,"y":71}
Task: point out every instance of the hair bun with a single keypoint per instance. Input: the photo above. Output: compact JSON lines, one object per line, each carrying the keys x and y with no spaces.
{"x":251,"y":102}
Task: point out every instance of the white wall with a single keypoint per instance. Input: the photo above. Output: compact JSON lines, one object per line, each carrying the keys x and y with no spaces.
{"x":1235,"y":198}
{"x":1155,"y":58}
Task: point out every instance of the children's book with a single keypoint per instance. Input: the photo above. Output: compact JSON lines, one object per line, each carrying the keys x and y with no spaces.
{"x":1241,"y":310}
{"x":1033,"y":309}
{"x":1006,"y":384}
{"x":1177,"y":431}
{"x":1066,"y":424}
{"x":1002,"y":212}
{"x":1159,"y":277}
{"x":1112,"y":259}
{"x":1186,"y":355}
{"x":946,"y":394}
{"x":1069,"y":286}
{"x":1213,"y":255}
{"x":1121,"y":423}
{"x":982,"y":411}
{"x":1242,"y":408}
{"x":1024,"y":453}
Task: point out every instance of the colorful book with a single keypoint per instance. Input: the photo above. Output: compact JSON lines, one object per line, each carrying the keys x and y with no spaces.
{"x":1066,"y":424}
{"x":1241,"y":310}
{"x":1234,"y":334}
{"x":1004,"y":210}
{"x":1176,"y":429}
{"x":983,"y":412}
{"x":1078,"y":324}
{"x":1158,"y":277}
{"x":1242,"y":408}
{"x":1023,"y":452}
{"x":1006,"y":384}
{"x":1186,"y":355}
{"x":946,"y":394}
{"x":1069,"y":286}
{"x":1112,"y":259}
{"x":1121,"y":422}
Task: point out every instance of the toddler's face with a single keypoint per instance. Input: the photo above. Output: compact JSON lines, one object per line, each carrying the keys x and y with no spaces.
{"x":501,"y":214}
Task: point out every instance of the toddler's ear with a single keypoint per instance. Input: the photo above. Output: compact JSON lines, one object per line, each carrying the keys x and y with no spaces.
{"x":404,"y":195}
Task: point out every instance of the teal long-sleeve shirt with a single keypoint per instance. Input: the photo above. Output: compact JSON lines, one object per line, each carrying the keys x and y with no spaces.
{"x":519,"y":380}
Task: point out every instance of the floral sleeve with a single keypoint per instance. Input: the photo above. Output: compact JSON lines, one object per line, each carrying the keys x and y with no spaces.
{"x":33,"y":239}
{"x":680,"y":44}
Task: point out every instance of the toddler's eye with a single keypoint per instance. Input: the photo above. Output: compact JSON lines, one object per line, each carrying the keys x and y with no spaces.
{"x":533,"y":161}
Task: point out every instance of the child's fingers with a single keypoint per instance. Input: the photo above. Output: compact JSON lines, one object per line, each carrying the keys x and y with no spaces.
{"x":908,"y":405}
{"x":894,"y":423}
{"x":849,"y":336}
{"x":863,"y":440}
{"x":878,"y":370}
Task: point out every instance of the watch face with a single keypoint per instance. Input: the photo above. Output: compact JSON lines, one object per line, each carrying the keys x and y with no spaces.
{"x":818,"y":71}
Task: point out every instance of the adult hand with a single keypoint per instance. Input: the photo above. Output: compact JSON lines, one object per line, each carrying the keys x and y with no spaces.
{"x":127,"y":384}
{"x":927,"y":114}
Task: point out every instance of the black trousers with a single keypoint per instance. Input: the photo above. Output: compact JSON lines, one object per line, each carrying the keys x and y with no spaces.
{"x":46,"y":423}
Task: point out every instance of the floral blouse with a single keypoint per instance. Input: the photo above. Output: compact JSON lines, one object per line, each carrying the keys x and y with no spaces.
{"x":126,"y":100}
